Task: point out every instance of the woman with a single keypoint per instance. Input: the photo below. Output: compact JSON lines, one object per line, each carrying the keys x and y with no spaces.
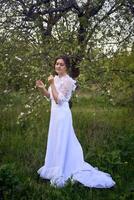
{"x":64,"y":156}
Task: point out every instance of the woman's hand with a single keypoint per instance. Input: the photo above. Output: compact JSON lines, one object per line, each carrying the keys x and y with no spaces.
{"x":51,"y":79}
{"x":40,"y":84}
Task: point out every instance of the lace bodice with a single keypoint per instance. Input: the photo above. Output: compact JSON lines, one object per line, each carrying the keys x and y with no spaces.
{"x":65,"y":86}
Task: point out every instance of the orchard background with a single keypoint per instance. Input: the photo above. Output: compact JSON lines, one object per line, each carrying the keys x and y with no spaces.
{"x":98,"y":35}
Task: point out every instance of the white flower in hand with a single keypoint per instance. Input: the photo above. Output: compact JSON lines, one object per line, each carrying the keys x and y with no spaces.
{"x":51,"y":79}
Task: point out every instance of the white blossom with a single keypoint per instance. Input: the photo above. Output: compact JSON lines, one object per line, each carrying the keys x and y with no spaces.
{"x":22,"y":113}
{"x":27,"y":106}
{"x":5,"y":91}
{"x":108,"y":91}
{"x":18,"y":58}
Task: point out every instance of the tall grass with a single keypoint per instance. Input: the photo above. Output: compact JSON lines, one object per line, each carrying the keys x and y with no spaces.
{"x":105,"y":132}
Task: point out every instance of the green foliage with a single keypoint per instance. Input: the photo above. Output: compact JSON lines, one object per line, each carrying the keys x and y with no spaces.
{"x":106,"y":135}
{"x":110,"y":77}
{"x":121,"y":78}
{"x":9,"y":181}
{"x":23,"y":62}
{"x":21,"y":65}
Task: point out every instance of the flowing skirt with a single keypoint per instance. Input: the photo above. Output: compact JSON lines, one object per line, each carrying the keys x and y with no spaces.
{"x":64,"y":155}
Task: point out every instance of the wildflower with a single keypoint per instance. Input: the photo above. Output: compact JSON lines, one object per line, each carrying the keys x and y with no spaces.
{"x":5,"y":91}
{"x":27,"y":106}
{"x":22,"y":113}
{"x":17,"y":58}
{"x":108,"y":91}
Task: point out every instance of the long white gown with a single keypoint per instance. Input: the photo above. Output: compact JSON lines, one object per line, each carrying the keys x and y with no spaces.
{"x":64,"y":155}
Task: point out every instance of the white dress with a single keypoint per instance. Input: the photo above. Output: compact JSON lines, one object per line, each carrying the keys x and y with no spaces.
{"x":64,"y":155}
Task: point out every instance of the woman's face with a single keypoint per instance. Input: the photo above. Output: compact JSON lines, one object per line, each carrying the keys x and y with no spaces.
{"x":60,"y":67}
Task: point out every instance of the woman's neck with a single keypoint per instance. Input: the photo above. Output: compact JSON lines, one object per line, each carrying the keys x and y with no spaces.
{"x":62,"y":75}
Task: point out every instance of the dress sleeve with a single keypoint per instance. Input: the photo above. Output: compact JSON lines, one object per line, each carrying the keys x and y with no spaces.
{"x":65,"y":90}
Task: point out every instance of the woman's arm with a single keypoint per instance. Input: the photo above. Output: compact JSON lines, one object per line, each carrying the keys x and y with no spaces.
{"x":65,"y":90}
{"x":40,"y":85}
{"x":54,"y":92}
{"x":53,"y":88}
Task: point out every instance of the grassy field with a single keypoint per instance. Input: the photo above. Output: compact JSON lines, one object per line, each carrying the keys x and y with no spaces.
{"x":105,"y":132}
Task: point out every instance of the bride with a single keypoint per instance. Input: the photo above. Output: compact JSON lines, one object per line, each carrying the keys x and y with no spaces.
{"x":64,"y":155}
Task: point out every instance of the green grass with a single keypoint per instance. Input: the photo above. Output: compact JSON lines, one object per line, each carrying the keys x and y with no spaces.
{"x":105,"y":132}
